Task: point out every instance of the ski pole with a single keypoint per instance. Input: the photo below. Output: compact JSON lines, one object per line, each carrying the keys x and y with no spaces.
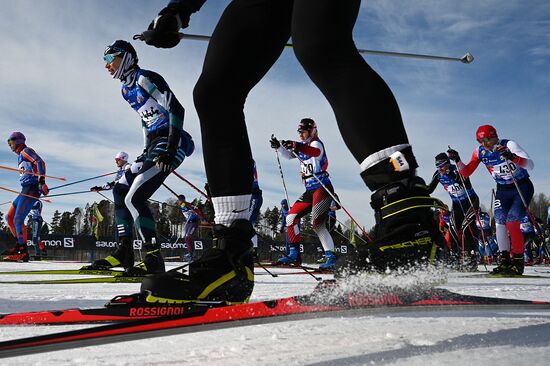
{"x":25,"y":195}
{"x":30,"y":173}
{"x":69,"y":193}
{"x":334,"y":198}
{"x":104,"y":196}
{"x":5,"y":203}
{"x":466,"y":59}
{"x":191,"y":184}
{"x":83,"y":180}
{"x":299,"y":265}
{"x":281,"y":171}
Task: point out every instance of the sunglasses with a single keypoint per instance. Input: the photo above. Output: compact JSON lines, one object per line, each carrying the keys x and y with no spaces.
{"x":110,"y":57}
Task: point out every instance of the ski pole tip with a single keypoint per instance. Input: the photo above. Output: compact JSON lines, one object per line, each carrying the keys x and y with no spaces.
{"x":468,"y":58}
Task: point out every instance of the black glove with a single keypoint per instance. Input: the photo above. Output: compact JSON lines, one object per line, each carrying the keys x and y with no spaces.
{"x":165,"y":160}
{"x":96,"y":189}
{"x":275,"y":144}
{"x":506,"y":153}
{"x":453,"y":155}
{"x":42,"y":186}
{"x":163,"y":30}
{"x":142,"y":157}
{"x":288,"y":144}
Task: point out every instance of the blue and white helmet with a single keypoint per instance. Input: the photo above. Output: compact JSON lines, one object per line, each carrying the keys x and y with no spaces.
{"x":121,"y":156}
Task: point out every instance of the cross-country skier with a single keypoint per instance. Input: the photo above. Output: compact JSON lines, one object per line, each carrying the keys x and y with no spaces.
{"x":508,"y":164}
{"x":32,"y":185}
{"x":189,"y":211}
{"x":314,"y":163}
{"x":529,"y":241}
{"x":487,"y":244}
{"x":360,"y":99}
{"x":462,"y":196}
{"x":166,"y":144}
{"x":124,"y":253}
{"x":36,"y":226}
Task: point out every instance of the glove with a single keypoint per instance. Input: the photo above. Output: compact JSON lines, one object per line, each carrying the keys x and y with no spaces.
{"x":96,"y":189}
{"x":453,"y":155}
{"x":275,"y":144}
{"x":164,"y":161}
{"x":42,"y":186}
{"x":289,"y":145}
{"x":142,"y":157}
{"x":163,"y":30}
{"x":506,"y":153}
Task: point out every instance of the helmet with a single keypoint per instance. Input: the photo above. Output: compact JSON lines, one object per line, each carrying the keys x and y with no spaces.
{"x":307,"y":124}
{"x":181,"y":197}
{"x":121,"y":156}
{"x":441,"y":160}
{"x":486,"y":131}
{"x":284,"y":202}
{"x":18,"y":137}
{"x":129,"y":58}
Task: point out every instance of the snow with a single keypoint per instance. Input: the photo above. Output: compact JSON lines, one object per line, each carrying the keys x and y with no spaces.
{"x":479,"y":336}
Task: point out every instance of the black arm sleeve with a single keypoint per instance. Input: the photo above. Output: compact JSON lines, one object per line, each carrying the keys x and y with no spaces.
{"x":433,"y":183}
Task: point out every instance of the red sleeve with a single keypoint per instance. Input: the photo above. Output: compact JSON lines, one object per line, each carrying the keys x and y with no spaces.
{"x":308,"y":150}
{"x":467,"y":169}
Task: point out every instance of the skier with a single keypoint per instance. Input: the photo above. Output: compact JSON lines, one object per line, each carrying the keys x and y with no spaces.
{"x":36,"y":226}
{"x":189,"y":211}
{"x":255,"y":203}
{"x":487,"y":248}
{"x":32,"y":185}
{"x":529,"y":244}
{"x":314,"y":163}
{"x":282,"y":220}
{"x":359,"y":98}
{"x":463,"y":197}
{"x":124,"y":253}
{"x":508,"y":164}
{"x":166,"y":144}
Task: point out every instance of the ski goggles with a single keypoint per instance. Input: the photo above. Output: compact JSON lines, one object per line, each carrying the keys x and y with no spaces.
{"x":110,"y":57}
{"x":484,"y":140}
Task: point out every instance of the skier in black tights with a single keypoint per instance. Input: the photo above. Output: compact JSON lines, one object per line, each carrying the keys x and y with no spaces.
{"x":248,"y":39}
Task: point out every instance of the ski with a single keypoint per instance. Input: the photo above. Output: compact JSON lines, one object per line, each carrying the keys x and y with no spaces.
{"x":195,"y":318}
{"x":107,"y":314}
{"x":93,"y":272}
{"x":500,"y":275}
{"x":111,"y":279}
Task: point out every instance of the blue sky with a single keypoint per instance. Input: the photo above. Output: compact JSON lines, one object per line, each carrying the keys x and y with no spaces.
{"x":56,"y":91}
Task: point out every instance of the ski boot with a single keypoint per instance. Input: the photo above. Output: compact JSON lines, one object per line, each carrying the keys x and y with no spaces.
{"x":123,"y":256}
{"x":406,"y":233}
{"x":504,"y":265}
{"x":293,"y":258}
{"x":20,"y":255}
{"x":330,"y":261}
{"x":516,"y":265}
{"x":153,"y":263}
{"x":223,"y":273}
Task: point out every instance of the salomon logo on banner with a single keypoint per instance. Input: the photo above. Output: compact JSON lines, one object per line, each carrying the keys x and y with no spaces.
{"x":68,"y":242}
{"x":397,"y":159}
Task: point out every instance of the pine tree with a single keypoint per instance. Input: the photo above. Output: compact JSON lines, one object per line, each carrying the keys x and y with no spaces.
{"x":55,"y":222}
{"x":66,"y":224}
{"x":3,"y":226}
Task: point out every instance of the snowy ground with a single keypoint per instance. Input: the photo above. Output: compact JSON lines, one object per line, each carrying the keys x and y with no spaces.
{"x":469,"y":337}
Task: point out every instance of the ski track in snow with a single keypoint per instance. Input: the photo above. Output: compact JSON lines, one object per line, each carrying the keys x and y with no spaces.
{"x":409,"y":337}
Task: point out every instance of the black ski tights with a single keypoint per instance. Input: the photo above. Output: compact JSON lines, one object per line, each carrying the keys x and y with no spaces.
{"x":247,"y":41}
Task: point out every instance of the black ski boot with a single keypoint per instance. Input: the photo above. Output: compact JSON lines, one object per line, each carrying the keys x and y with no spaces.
{"x":123,"y":256}
{"x":223,"y":273}
{"x":505,"y":263}
{"x":406,"y":233}
{"x":153,"y":262}
{"x":516,"y":266}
